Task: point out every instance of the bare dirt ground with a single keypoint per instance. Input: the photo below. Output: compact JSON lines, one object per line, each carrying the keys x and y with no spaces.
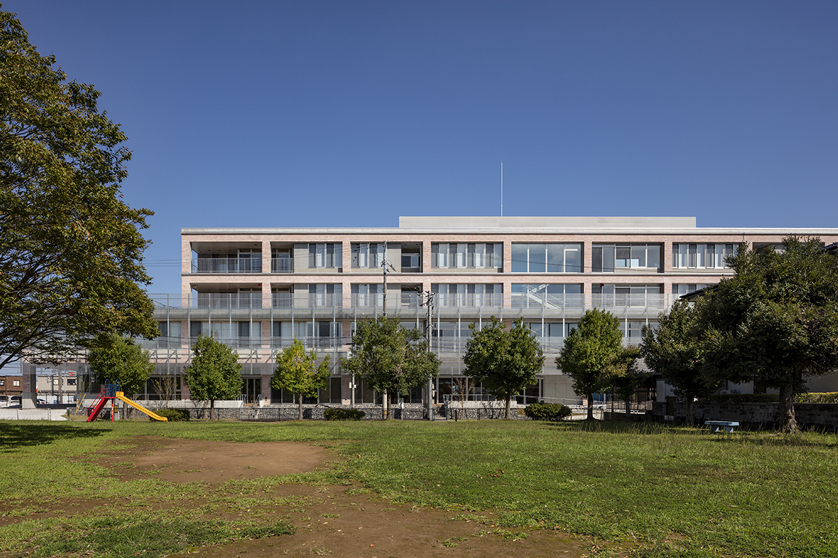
{"x":329,"y":520}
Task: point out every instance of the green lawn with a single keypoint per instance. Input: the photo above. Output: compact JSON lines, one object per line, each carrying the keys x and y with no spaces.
{"x":658,"y":490}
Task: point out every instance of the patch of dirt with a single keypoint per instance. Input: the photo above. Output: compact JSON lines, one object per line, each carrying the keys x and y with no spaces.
{"x":183,"y":460}
{"x":329,"y":520}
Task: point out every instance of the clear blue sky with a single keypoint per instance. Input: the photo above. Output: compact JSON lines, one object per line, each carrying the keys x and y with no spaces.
{"x":335,"y":113}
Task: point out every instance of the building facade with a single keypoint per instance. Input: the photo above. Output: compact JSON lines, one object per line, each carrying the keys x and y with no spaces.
{"x":258,"y":289}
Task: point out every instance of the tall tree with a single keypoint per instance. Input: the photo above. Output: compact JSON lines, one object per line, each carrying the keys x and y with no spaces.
{"x":115,"y":358}
{"x":626,"y":376}
{"x":298,"y":373}
{"x":70,"y":248}
{"x":214,"y":372}
{"x":674,"y":349}
{"x":588,"y":351}
{"x":776,"y":320}
{"x":505,"y":361}
{"x":390,"y":357}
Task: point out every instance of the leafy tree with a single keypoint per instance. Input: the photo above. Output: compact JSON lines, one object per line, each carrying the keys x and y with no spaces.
{"x":390,"y":357}
{"x":776,"y":320}
{"x":214,"y":372}
{"x":70,"y":248}
{"x":626,"y":376}
{"x":505,"y":361}
{"x":588,"y":352}
{"x":674,"y":349}
{"x":296,"y":372}
{"x":119,"y":359}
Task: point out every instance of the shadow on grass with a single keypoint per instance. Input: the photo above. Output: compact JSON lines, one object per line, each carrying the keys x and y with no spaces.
{"x":14,"y":436}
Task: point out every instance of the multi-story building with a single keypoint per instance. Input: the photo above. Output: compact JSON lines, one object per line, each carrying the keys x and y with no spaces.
{"x":258,"y":289}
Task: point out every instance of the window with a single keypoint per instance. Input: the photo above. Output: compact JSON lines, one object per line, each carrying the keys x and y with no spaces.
{"x":325,"y":255}
{"x":546,"y":258}
{"x":322,"y":295}
{"x":684,"y":288}
{"x":15,"y":383}
{"x":467,"y":295}
{"x":315,"y":334}
{"x":640,"y":296}
{"x":701,"y":256}
{"x":367,"y":254}
{"x":546,"y":296}
{"x":364,"y":294}
{"x":466,"y":255}
{"x":607,"y":258}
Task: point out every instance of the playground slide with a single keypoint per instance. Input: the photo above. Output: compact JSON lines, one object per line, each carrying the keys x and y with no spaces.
{"x":121,"y":396}
{"x":97,"y":409}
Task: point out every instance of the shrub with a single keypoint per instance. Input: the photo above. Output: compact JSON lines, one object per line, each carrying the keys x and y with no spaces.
{"x":173,"y":415}
{"x":548,"y":411}
{"x":343,"y":414}
{"x":830,"y":397}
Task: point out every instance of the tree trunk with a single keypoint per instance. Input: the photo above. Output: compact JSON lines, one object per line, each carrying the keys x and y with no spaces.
{"x":690,"y":413}
{"x":787,"y":420}
{"x":212,"y":409}
{"x":300,"y":407}
{"x":590,"y":406}
{"x":628,"y":409}
{"x":508,"y":406}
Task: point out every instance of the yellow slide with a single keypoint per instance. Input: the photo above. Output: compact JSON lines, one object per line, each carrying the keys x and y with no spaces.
{"x":121,"y":396}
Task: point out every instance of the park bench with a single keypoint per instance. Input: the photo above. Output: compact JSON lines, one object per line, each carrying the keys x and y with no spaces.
{"x":715,"y":425}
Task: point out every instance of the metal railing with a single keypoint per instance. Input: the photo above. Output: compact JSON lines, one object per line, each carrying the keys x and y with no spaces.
{"x":226,"y":265}
{"x":232,"y":301}
{"x":548,"y":300}
{"x":282,"y":265}
{"x":469,"y":300}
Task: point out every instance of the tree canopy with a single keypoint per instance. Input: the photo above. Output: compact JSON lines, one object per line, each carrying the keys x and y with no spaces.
{"x":776,"y":320}
{"x":298,"y":372}
{"x":119,"y":359}
{"x":626,"y":376}
{"x":390,"y":357}
{"x":505,"y":361}
{"x":70,"y":249}
{"x":674,"y":349}
{"x":588,"y":352}
{"x":214,"y":372}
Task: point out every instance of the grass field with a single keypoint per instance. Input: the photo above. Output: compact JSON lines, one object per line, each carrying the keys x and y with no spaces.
{"x":647,"y":490}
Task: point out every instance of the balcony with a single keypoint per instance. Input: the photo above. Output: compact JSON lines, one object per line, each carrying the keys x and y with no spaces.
{"x":648,"y":302}
{"x":286,"y":301}
{"x":226,"y":265}
{"x":231,"y":301}
{"x":470,"y":300}
{"x":282,"y":265}
{"x":548,"y":301}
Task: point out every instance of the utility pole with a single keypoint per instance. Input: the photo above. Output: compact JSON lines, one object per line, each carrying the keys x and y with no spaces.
{"x":430,"y":304}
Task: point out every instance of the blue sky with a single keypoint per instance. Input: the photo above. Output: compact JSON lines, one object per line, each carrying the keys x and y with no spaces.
{"x":318,"y":113}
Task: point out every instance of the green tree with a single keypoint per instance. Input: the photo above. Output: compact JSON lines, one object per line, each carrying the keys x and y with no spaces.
{"x":70,"y":248}
{"x":214,"y":372}
{"x":626,"y":376}
{"x":505,"y":361}
{"x":115,"y":358}
{"x":390,"y":357}
{"x":776,"y":320}
{"x":674,"y":349}
{"x":588,"y":352}
{"x":296,"y":372}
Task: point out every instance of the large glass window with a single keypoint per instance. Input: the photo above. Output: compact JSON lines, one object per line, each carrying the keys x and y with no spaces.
{"x":546,"y":258}
{"x":546,"y":295}
{"x":367,"y":254}
{"x":476,"y":255}
{"x":467,"y":295}
{"x":365,"y":295}
{"x":607,"y":258}
{"x":701,"y":256}
{"x":325,"y":255}
{"x":311,"y":333}
{"x":322,"y":295}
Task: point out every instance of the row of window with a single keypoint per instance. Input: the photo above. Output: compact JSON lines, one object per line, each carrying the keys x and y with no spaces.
{"x":526,"y":257}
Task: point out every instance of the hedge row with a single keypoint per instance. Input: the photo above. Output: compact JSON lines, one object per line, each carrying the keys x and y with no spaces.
{"x":343,"y":414}
{"x":548,"y":411}
{"x":830,"y":397}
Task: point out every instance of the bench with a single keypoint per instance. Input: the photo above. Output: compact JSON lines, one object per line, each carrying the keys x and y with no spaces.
{"x":715,"y":425}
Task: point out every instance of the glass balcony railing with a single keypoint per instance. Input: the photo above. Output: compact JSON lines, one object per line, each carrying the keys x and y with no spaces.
{"x":232,"y":301}
{"x":282,"y":265}
{"x":227,"y":265}
{"x":463,"y":300}
{"x":547,"y":300}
